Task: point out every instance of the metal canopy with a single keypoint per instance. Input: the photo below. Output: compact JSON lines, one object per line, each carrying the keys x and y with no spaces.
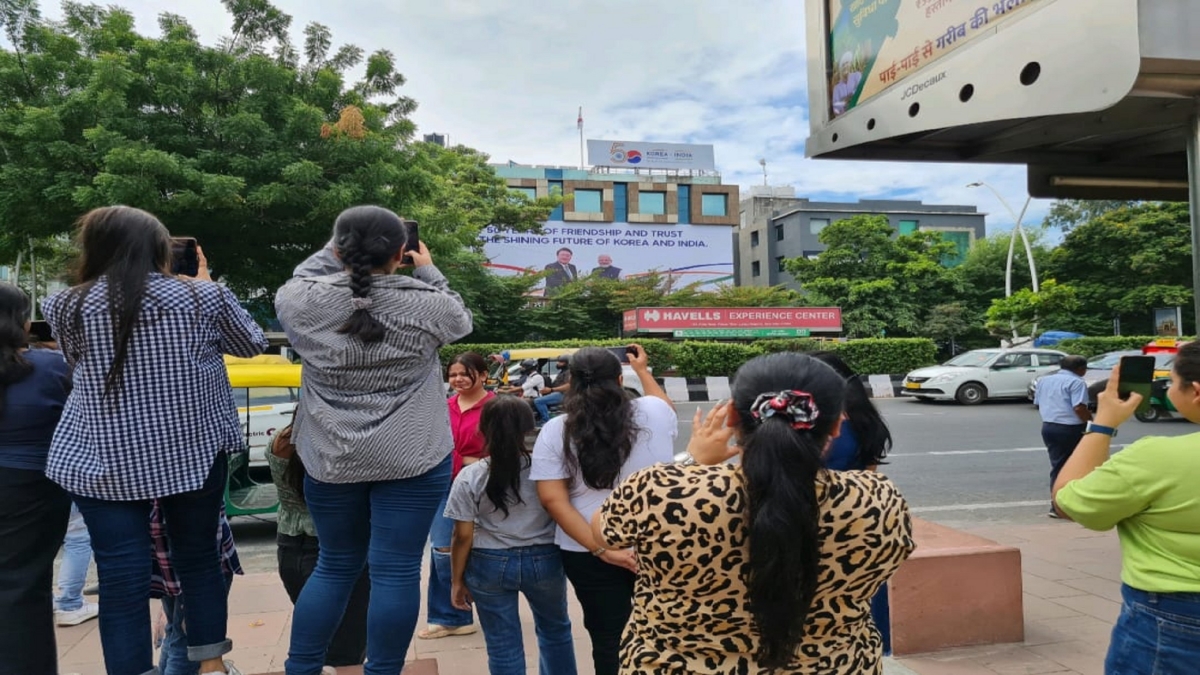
{"x":1095,"y":96}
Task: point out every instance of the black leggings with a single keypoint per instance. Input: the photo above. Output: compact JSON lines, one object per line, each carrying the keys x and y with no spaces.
{"x":297,"y":560}
{"x":606,"y":593}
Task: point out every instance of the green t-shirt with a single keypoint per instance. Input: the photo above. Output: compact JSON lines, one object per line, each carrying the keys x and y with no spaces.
{"x":1150,"y":492}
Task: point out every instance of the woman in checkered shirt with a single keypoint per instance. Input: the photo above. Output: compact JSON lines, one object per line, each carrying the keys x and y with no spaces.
{"x":372,"y":427}
{"x":151,"y":416}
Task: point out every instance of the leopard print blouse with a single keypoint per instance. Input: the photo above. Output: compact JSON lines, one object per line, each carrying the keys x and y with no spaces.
{"x":690,"y":610}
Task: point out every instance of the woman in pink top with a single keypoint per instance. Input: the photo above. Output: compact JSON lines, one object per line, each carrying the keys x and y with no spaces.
{"x":468,"y":373}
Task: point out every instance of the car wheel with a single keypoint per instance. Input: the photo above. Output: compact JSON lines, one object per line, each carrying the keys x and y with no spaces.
{"x":1151,"y":415}
{"x":971,"y":393}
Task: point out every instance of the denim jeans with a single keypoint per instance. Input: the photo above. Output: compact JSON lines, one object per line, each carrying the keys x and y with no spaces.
{"x":1156,"y":634}
{"x":384,"y":524}
{"x":297,"y":558}
{"x":495,"y":577}
{"x":33,"y":519}
{"x":121,"y":543}
{"x":542,"y":405}
{"x":438,"y":609}
{"x":173,"y":659}
{"x":605,"y":592}
{"x":77,"y":555}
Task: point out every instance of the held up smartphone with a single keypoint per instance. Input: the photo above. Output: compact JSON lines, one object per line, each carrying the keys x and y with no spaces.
{"x":185,"y":259}
{"x":622,"y":353}
{"x":39,"y":331}
{"x":1137,"y":374}
{"x":412,"y":240}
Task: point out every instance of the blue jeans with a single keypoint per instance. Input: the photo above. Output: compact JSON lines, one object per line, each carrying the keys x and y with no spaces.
{"x":495,"y":577}
{"x":542,"y":405}
{"x":173,"y":659}
{"x":1156,"y":634}
{"x":121,"y":543}
{"x":439,"y":611}
{"x":385,"y":524}
{"x":77,"y":555}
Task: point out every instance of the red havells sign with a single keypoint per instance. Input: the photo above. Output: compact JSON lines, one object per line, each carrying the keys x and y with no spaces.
{"x":666,"y":319}
{"x":631,"y":323}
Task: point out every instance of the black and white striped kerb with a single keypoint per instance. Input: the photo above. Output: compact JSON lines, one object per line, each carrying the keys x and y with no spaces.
{"x":704,"y":389}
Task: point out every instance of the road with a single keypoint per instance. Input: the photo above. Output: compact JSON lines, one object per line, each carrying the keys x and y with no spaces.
{"x":957,"y":465}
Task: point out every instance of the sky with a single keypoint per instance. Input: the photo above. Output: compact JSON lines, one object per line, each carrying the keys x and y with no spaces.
{"x":508,"y":77}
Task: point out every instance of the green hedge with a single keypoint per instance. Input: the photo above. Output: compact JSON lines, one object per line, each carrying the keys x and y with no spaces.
{"x":716,"y":359}
{"x":1091,"y":346}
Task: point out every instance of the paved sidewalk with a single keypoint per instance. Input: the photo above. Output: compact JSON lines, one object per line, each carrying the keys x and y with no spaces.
{"x":1072,"y":598}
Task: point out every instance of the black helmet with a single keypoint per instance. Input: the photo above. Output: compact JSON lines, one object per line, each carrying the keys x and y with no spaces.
{"x":563,"y":358}
{"x":529,"y":364}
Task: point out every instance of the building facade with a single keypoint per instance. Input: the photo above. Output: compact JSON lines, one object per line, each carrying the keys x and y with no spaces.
{"x":775,"y":225}
{"x":619,"y":223}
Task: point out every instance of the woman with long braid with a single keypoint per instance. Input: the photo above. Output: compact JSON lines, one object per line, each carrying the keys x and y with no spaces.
{"x":372,"y":427}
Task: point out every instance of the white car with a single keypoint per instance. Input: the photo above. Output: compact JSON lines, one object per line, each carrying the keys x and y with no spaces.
{"x":982,"y":374}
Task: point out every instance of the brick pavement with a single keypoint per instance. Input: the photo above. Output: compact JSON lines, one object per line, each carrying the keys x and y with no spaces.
{"x":1072,"y":598}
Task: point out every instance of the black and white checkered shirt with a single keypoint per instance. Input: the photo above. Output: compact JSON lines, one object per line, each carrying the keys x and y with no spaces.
{"x":371,"y":412}
{"x":175,"y":411}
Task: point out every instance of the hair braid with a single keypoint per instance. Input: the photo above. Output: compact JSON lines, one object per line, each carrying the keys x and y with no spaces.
{"x":367,"y":238}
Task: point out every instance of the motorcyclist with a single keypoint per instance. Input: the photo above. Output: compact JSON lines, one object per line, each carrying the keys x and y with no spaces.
{"x":531,"y":383}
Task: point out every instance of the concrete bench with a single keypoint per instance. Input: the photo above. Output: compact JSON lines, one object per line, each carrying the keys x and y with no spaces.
{"x":955,"y":590}
{"x":418,"y":667}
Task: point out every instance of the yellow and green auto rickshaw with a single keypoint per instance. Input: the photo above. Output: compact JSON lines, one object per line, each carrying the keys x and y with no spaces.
{"x":267,"y":389}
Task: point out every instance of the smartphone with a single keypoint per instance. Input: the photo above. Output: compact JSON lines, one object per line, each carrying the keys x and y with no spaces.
{"x":1137,"y":374}
{"x":412,"y":240}
{"x":185,"y":258}
{"x":39,"y":331}
{"x":622,"y":353}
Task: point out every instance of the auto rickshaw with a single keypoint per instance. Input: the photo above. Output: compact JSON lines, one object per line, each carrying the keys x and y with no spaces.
{"x":1160,"y":405}
{"x":251,"y":378}
{"x":501,"y":374}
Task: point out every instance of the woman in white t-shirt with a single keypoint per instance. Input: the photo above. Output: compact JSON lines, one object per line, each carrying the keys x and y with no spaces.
{"x":579,"y":458}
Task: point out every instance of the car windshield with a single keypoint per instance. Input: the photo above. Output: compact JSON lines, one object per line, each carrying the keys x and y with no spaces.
{"x":1110,"y":360}
{"x":972,"y":359}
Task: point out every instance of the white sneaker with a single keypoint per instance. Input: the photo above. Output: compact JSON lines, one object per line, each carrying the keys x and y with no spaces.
{"x":87,"y":612}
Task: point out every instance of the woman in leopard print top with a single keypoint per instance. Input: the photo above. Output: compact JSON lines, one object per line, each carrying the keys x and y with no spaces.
{"x":768,"y":567}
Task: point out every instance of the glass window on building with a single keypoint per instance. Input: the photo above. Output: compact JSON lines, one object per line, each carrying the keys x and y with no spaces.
{"x":652,"y":203}
{"x":779,"y":264}
{"x":529,"y":192}
{"x":714,"y":205}
{"x":754,"y":238}
{"x":908,"y":226}
{"x":779,"y":232}
{"x":962,"y":246}
{"x":589,"y":201}
{"x":815,"y":225}
{"x":755,"y":269}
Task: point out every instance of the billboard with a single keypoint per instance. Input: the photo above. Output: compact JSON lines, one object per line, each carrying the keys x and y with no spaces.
{"x":873,"y":44}
{"x":672,"y":319}
{"x":637,"y":155}
{"x":568,"y":250}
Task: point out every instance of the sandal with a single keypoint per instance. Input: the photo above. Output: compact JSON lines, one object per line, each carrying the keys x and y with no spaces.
{"x":434,"y":631}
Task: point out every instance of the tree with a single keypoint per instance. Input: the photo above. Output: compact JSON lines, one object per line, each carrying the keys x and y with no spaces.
{"x":948,"y":321}
{"x":1124,"y":264}
{"x":1067,"y":214}
{"x":884,"y":283}
{"x":252,"y":145}
{"x":1022,"y":313}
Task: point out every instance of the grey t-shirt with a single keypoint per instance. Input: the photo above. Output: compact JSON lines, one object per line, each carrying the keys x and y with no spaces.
{"x":527,"y":523}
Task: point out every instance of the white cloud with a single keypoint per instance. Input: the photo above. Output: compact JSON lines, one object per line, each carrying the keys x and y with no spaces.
{"x":508,"y":76}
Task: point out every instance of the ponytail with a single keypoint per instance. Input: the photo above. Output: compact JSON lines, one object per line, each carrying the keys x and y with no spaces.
{"x":367,"y":239}
{"x":788,"y":405}
{"x":780,"y":466}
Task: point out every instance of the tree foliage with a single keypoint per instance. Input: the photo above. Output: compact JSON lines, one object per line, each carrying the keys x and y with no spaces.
{"x":884,"y":283}
{"x":251,"y":145}
{"x":1025,"y":311}
{"x":1067,"y":214}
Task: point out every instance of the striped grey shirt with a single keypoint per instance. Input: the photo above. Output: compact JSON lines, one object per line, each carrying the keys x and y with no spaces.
{"x":371,"y":412}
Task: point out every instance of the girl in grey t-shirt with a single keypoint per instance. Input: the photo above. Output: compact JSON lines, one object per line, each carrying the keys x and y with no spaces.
{"x":503,"y":545}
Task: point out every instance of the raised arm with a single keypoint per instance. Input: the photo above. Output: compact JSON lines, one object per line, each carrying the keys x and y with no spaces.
{"x":319,"y":264}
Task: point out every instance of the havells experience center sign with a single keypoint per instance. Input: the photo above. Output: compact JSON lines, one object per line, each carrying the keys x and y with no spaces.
{"x":734,"y":322}
{"x":636,"y":155}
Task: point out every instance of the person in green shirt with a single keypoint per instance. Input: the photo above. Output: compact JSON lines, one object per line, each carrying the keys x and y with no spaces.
{"x":1150,"y":492}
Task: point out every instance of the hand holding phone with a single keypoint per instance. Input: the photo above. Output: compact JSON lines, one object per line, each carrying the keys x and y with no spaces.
{"x":1136,"y":375}
{"x":412,"y":241}
{"x":185,"y":257}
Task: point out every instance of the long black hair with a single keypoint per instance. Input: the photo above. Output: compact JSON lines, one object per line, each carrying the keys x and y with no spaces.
{"x":780,"y":465}
{"x":599,"y":432}
{"x":367,"y":238}
{"x":125,"y":246}
{"x":505,"y":422}
{"x":14,"y":314}
{"x":874,"y":437}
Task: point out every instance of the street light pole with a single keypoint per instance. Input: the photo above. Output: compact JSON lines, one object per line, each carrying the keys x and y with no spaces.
{"x":1012,"y":241}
